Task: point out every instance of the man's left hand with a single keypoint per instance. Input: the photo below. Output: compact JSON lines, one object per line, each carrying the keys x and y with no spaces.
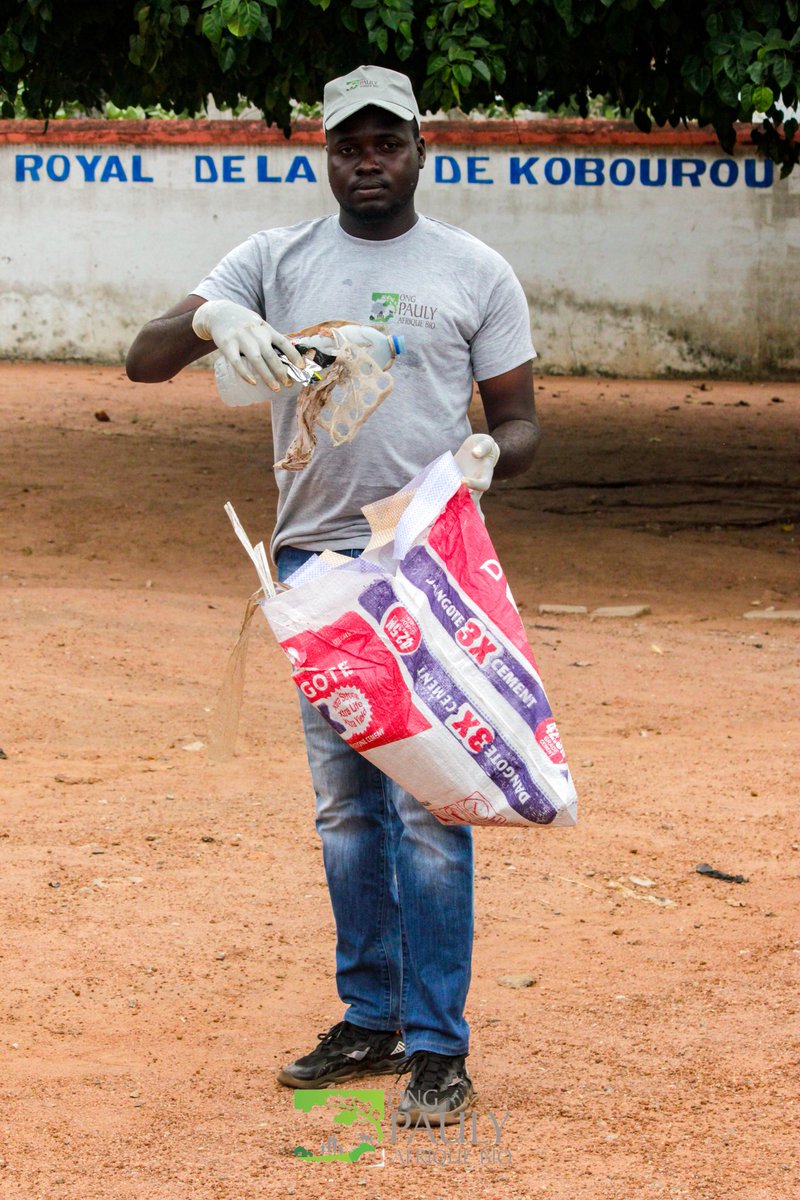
{"x":477,"y":458}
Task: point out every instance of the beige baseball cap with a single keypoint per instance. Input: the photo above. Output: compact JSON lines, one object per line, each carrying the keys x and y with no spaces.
{"x":368,"y":85}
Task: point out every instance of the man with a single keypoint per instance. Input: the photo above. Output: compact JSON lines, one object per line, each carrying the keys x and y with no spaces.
{"x":400,"y":883}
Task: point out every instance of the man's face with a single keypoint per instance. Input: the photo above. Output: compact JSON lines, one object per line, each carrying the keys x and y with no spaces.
{"x":374,"y":160}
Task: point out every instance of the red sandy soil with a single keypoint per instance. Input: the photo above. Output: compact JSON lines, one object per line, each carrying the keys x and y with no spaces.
{"x":167,"y":941}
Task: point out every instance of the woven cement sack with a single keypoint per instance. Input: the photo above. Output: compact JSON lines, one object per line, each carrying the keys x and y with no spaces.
{"x":416,"y":655}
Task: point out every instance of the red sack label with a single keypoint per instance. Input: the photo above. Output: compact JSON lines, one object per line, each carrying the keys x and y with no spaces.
{"x":402,"y":630}
{"x":460,"y":540}
{"x":549,"y":739}
{"x":353,"y":679}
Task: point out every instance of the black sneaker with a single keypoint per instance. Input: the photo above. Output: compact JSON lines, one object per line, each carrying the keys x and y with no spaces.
{"x":343,"y":1052}
{"x":440,"y":1087}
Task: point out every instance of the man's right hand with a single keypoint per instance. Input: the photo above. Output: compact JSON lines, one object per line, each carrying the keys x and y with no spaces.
{"x":247,"y":341}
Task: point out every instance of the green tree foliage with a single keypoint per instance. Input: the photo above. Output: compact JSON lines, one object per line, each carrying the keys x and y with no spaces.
{"x":661,"y":61}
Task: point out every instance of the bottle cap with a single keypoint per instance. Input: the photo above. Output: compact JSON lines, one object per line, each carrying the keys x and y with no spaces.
{"x":398,"y":343}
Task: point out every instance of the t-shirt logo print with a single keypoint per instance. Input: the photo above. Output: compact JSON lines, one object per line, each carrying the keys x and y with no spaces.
{"x":384,"y":306}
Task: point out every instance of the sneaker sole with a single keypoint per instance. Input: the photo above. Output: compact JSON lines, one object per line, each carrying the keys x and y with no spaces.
{"x":387,"y":1067}
{"x":448,"y":1118}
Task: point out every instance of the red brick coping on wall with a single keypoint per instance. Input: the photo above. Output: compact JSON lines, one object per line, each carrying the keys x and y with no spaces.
{"x":572,"y":132}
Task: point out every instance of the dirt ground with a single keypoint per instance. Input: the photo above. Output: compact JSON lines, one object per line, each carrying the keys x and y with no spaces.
{"x":167,"y":942}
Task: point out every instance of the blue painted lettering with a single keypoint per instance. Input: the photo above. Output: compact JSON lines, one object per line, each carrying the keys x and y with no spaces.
{"x":589,"y":172}
{"x":582,"y":171}
{"x":474,"y":170}
{"x":443,"y":163}
{"x":88,"y":166}
{"x":557,"y":170}
{"x":113,"y":170}
{"x":687,"y":168}
{"x":723,"y":172}
{"x":661,"y":172}
{"x":750,"y":178}
{"x":262,"y":170}
{"x":622,"y":172}
{"x":205,"y":169}
{"x":57,"y":168}
{"x":300,"y":169}
{"x":518,"y":169}
{"x":137,"y":175}
{"x":28,"y":164}
{"x":231,"y":171}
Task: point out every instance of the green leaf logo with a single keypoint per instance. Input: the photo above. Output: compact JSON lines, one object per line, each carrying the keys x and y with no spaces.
{"x":350,"y":1107}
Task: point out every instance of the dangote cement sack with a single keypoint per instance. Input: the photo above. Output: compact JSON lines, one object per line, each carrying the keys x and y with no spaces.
{"x":416,"y":655}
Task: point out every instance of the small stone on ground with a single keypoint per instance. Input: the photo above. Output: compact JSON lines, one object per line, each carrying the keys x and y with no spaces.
{"x":773,"y":614}
{"x":622,"y":610}
{"x":562,"y":609}
{"x":516,"y":981}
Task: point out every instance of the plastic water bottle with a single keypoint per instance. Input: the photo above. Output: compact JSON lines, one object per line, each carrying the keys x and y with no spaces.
{"x":381,"y":347}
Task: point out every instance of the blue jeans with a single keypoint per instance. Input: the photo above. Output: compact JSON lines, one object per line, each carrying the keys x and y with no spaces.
{"x":401,"y":891}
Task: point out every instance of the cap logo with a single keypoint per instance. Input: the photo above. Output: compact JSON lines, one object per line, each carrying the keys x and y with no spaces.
{"x":369,"y":85}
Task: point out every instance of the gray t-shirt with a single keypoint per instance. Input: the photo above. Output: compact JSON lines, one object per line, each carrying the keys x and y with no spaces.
{"x":463,"y":314}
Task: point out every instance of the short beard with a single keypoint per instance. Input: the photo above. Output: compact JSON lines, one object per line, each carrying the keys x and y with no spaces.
{"x":375,"y":216}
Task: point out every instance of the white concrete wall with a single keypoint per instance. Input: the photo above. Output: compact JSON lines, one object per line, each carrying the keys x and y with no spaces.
{"x":621,"y":277}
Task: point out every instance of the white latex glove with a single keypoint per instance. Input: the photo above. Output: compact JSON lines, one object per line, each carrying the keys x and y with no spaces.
{"x":477,"y":458}
{"x":246,"y":340}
